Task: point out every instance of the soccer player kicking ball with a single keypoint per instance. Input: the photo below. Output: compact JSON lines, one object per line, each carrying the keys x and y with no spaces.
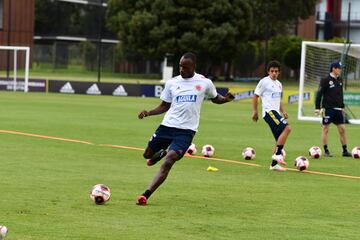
{"x":181,"y":100}
{"x":270,"y":91}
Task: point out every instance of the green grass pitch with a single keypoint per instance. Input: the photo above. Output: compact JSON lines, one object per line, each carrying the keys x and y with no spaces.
{"x":45,"y":183}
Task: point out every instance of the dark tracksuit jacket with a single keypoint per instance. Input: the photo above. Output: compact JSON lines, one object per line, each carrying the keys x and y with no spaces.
{"x":330,"y":93}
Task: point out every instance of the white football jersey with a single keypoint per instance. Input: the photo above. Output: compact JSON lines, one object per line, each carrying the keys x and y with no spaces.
{"x":186,"y":97}
{"x":270,"y":92}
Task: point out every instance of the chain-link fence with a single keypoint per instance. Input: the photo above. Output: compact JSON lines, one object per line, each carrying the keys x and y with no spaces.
{"x":84,"y":55}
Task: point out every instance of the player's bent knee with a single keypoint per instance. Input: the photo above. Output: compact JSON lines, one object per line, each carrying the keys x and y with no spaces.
{"x":288,"y":129}
{"x":167,"y":165}
{"x":172,"y":156}
{"x":342,"y":130}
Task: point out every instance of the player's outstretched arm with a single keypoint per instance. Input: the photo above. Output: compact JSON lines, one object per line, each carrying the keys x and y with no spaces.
{"x":220,"y":99}
{"x":163,"y":107}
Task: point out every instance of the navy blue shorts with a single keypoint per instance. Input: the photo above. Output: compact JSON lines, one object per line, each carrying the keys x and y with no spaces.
{"x":331,"y":115}
{"x":176,"y":139}
{"x":276,"y":122}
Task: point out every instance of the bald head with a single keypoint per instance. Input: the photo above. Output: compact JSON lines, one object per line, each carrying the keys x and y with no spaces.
{"x":187,"y":65}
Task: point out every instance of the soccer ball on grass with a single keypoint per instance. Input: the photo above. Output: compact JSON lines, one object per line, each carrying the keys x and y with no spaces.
{"x":208,"y":150}
{"x":3,"y":232}
{"x":248,"y":153}
{"x":100,"y":194}
{"x":301,"y":163}
{"x":355,"y":153}
{"x":315,"y":152}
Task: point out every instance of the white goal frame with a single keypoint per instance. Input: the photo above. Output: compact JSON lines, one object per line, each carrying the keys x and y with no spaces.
{"x":27,"y":64}
{"x":302,"y":78}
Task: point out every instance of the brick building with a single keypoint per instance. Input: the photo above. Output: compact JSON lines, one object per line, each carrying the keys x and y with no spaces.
{"x":16,"y":28}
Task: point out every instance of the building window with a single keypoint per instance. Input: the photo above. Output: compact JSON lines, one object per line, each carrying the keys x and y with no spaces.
{"x":1,"y":14}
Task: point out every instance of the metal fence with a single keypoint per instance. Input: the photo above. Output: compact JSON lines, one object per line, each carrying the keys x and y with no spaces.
{"x":62,"y":55}
{"x":83,"y":56}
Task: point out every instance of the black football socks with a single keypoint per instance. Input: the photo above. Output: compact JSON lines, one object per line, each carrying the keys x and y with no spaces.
{"x":147,"y":194}
{"x":326,"y":150}
{"x":279,"y":149}
{"x":344,"y":147}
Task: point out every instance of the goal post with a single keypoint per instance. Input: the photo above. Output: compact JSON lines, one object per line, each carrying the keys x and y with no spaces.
{"x":315,"y":64}
{"x":15,"y":50}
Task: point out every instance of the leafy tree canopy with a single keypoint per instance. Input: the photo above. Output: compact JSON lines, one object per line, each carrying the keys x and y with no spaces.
{"x":213,"y":29}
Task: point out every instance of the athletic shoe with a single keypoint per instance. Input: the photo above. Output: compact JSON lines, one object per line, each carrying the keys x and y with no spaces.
{"x":346,"y":154}
{"x":328,"y":154}
{"x":278,"y":168}
{"x":157,"y":157}
{"x":279,"y":159}
{"x":141,"y":200}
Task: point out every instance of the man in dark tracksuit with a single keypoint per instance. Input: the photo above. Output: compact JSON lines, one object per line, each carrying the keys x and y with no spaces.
{"x":330,"y":96}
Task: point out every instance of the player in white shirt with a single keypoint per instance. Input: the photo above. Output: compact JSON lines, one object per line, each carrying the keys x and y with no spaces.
{"x":181,"y":98}
{"x":270,"y":91}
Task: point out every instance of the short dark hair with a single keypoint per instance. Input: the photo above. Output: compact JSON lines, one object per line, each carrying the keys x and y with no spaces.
{"x":273,"y":64}
{"x":190,"y":55}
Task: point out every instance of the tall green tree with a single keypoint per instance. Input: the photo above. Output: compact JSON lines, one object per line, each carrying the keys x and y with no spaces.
{"x":213,"y":29}
{"x":287,"y":49}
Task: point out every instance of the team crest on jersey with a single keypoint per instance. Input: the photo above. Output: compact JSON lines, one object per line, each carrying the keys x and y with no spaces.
{"x":186,"y":98}
{"x":198,"y":87}
{"x":331,"y":84}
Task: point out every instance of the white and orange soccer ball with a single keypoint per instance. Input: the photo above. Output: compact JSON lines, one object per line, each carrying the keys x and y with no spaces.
{"x":315,"y":152}
{"x":100,"y":194}
{"x":248,"y":153}
{"x":301,"y":163}
{"x":208,"y":150}
{"x":192,"y":149}
{"x":3,"y":232}
{"x":355,"y":153}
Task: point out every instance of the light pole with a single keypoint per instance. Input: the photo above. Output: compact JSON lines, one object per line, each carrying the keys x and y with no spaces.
{"x":99,"y":48}
{"x":8,"y":41}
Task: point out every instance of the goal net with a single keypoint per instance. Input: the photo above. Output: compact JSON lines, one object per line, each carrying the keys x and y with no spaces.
{"x":316,"y":58}
{"x":19,"y":57}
